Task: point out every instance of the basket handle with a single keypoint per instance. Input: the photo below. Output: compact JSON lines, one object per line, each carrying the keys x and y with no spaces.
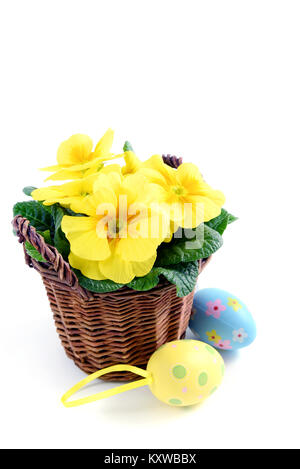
{"x":109,"y":392}
{"x":26,"y":232}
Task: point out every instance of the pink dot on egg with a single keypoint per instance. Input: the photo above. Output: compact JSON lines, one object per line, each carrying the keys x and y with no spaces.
{"x":196,"y":347}
{"x":200,"y":397}
{"x":174,"y":345}
{"x":184,"y":389}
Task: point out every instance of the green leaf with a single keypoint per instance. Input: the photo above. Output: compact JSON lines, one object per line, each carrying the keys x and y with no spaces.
{"x":97,"y":286}
{"x":70,"y":212}
{"x":36,"y":213}
{"x":46,"y":235}
{"x":127,"y":146}
{"x":189,"y":249}
{"x":48,"y":209}
{"x":33,"y":252}
{"x":60,"y":241}
{"x":220,"y":223}
{"x":57,"y":214}
{"x":147,"y":282}
{"x":231,"y":218}
{"x":28,"y":189}
{"x":183,"y":275}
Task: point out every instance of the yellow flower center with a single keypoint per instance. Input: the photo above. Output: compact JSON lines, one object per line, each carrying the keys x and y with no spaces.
{"x":114,"y":227}
{"x":178,"y":190}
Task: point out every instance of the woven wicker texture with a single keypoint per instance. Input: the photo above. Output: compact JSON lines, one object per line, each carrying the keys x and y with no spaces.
{"x":100,"y":330}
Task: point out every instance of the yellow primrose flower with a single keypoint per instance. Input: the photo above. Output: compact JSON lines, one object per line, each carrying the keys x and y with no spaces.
{"x":119,"y":236}
{"x":65,"y":194}
{"x":234,"y":304}
{"x":213,"y":336}
{"x":76,"y":159}
{"x":133,"y":163}
{"x":190,"y":200}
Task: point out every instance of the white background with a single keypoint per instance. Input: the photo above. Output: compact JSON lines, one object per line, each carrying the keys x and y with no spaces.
{"x":216,"y":82}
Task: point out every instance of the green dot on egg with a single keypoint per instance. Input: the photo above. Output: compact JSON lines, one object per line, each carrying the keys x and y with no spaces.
{"x":202,"y":379}
{"x":213,"y":390}
{"x":179,"y":371}
{"x":175,"y":401}
{"x":210,"y":349}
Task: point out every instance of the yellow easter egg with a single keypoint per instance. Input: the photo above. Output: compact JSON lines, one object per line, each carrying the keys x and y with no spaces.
{"x":185,"y":372}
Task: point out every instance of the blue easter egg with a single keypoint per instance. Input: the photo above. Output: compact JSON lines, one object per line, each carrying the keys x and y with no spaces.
{"x":222,"y":320}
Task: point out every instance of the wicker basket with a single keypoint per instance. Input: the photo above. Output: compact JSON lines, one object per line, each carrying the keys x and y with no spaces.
{"x":100,"y":330}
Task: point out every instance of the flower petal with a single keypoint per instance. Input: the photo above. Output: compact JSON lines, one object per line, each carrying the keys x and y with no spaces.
{"x":65,"y":174}
{"x":133,"y":163}
{"x":156,"y":163}
{"x":190,"y":177}
{"x":121,"y":271}
{"x":45,"y":193}
{"x":143,"y":268}
{"x":154,"y":176}
{"x":89,"y":245}
{"x":112,"y":168}
{"x":78,"y":224}
{"x":105,"y":143}
{"x":111,"y":180}
{"x":209,"y":207}
{"x":136,"y":249}
{"x":76,"y":149}
{"x":84,"y":240}
{"x":80,"y":170}
{"x":116,"y":269}
{"x":56,"y":167}
{"x":100,"y":203}
{"x":133,"y":187}
{"x":88,"y":268}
